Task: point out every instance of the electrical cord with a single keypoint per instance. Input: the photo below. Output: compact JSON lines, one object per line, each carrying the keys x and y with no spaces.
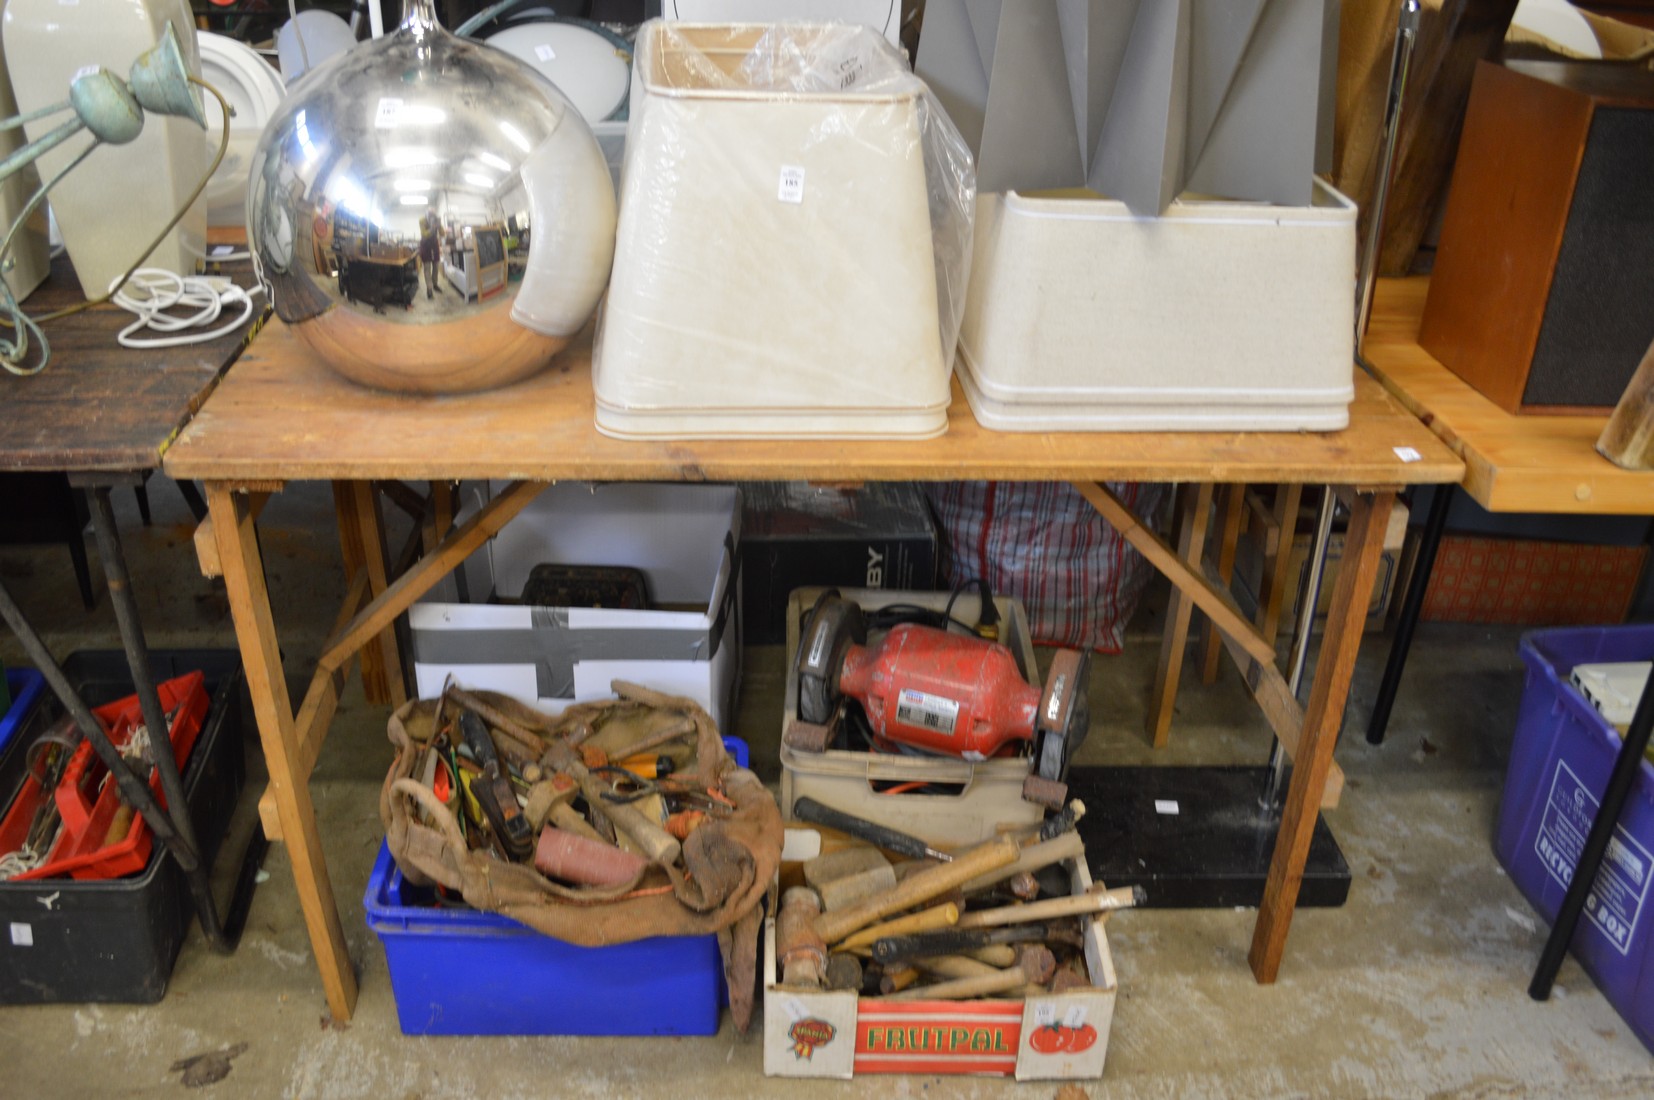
{"x":986,"y":626}
{"x":158,"y":291}
{"x":298,"y":32}
{"x":987,"y":620}
{"x":13,"y":351}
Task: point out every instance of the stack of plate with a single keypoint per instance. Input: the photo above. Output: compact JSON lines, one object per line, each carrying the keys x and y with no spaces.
{"x":588,"y":66}
{"x":591,"y":68}
{"x":254,"y":90}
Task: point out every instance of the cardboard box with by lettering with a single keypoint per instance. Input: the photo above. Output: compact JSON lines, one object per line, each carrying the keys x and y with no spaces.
{"x":1047,"y":1037}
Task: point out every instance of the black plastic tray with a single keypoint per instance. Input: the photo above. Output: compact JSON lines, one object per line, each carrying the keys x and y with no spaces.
{"x":1195,"y":838}
{"x":67,"y":940}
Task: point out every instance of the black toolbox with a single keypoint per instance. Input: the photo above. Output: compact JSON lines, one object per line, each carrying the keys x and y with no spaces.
{"x":69,"y":940}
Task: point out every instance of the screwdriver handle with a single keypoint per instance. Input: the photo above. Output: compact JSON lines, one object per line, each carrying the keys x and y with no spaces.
{"x":924,"y":945}
{"x":808,"y":809}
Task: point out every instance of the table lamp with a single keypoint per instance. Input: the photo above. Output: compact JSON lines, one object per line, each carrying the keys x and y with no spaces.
{"x":112,"y":109}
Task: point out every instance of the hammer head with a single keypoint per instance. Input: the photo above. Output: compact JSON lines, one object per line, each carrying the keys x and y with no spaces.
{"x":1037,"y":963}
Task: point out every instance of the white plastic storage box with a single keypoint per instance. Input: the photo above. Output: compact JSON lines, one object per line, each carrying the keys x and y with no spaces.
{"x":681,"y":537}
{"x":1048,"y":1036}
{"x":983,"y":796}
{"x":774,"y":270}
{"x":1216,"y":316}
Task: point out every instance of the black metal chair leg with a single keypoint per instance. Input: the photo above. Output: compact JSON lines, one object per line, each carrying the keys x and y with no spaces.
{"x":193,"y":499}
{"x":186,"y":847}
{"x":1434,"y":524}
{"x":83,"y":570}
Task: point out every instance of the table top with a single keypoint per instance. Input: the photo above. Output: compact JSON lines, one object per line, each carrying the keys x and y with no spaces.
{"x":281,"y":415}
{"x":1533,"y":463}
{"x":98,"y":406}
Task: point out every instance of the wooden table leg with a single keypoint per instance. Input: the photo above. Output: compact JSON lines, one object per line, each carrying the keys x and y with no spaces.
{"x":374,"y":688}
{"x":1195,"y":504}
{"x":1231,"y":514}
{"x":1278,"y":563}
{"x":442,"y":514}
{"x":1357,"y":572}
{"x":243,"y":567}
{"x":362,"y":541}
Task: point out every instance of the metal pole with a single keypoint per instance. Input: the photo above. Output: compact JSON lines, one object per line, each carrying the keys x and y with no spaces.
{"x":132,"y":786}
{"x":1620,"y":780}
{"x":1303,"y":627}
{"x":149,"y":702}
{"x":1401,"y":62}
{"x":1435,"y":522}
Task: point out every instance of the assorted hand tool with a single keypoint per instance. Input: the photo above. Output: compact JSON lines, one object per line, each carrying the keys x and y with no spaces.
{"x":986,"y":923}
{"x":557,"y":802}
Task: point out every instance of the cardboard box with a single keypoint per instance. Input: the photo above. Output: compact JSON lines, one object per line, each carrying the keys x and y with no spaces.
{"x":1260,"y":539}
{"x":811,"y":1033}
{"x":880,"y":535}
{"x":986,"y":794}
{"x":682,"y":538}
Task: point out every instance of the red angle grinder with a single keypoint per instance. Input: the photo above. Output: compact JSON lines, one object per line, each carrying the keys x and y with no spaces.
{"x":939,"y":692}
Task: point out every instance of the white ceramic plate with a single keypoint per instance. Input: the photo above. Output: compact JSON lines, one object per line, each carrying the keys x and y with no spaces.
{"x":584,"y":65}
{"x":325,"y":35}
{"x":251,"y":85}
{"x":1559,"y":21}
{"x":254,"y":89}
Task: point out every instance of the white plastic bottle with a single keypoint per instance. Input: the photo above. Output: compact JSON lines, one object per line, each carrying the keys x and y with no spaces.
{"x":118,"y":199}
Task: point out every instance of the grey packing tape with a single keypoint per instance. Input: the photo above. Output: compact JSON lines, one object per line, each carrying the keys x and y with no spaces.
{"x":553,"y":648}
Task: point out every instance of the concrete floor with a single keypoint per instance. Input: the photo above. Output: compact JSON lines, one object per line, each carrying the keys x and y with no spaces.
{"x":1415,"y":988}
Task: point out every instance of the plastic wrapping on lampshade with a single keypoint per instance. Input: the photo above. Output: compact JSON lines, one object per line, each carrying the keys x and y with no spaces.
{"x":794,"y":239}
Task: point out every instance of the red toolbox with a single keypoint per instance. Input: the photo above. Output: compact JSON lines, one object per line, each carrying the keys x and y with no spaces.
{"x":101,"y":838}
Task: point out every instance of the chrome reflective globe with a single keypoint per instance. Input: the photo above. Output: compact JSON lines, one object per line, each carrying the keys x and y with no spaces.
{"x":430,"y":214}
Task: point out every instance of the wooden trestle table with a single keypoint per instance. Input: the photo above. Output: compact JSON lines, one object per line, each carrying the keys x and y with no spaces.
{"x":280,"y":416}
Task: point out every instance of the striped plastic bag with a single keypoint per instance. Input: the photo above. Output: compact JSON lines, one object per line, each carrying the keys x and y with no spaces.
{"x":1043,"y":544}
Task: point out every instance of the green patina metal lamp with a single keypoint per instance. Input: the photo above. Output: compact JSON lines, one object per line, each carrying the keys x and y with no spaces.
{"x":112,"y":110}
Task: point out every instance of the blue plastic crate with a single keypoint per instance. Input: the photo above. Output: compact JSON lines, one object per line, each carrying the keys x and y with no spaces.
{"x":464,"y":972}
{"x":1560,"y":759}
{"x":26,"y":686}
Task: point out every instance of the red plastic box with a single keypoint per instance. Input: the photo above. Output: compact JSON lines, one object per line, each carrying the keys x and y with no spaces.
{"x":89,"y":805}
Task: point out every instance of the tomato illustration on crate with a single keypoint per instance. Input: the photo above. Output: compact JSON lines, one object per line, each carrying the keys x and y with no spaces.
{"x":1048,"y":1039}
{"x":1059,"y":1038}
{"x":1081,"y":1038}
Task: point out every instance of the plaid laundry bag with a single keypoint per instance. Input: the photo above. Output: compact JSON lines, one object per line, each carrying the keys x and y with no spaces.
{"x":1043,"y":544}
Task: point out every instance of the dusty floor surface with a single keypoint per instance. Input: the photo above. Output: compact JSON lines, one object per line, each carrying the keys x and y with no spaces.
{"x":1415,"y":988}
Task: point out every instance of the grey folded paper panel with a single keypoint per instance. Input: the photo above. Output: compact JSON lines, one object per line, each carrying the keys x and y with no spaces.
{"x":1262,"y":143}
{"x":1139,"y":99}
{"x":1095,"y":37}
{"x":1141,"y":159}
{"x":951,"y":62}
{"x":1029,"y":68}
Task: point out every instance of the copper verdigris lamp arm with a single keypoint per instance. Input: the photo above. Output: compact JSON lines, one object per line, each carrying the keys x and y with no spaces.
{"x":112,"y":110}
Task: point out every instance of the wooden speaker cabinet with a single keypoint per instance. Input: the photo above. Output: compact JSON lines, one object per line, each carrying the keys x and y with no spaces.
{"x":1543,"y":291}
